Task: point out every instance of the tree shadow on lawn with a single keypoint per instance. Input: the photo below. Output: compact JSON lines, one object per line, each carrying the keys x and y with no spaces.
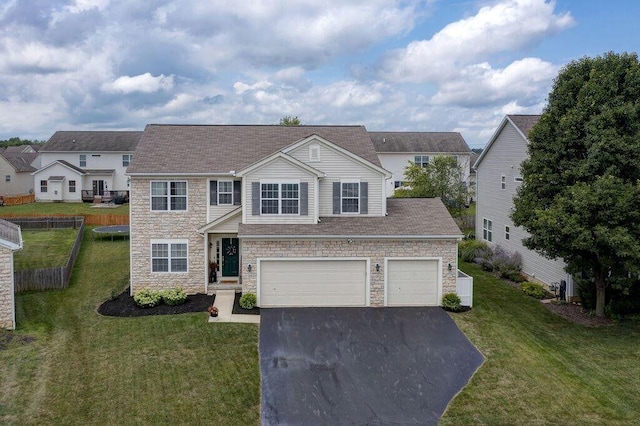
{"x":124,"y":306}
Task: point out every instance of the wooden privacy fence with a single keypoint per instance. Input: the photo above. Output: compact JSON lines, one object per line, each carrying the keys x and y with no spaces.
{"x":49,"y":278}
{"x":14,"y":200}
{"x":89,"y":219}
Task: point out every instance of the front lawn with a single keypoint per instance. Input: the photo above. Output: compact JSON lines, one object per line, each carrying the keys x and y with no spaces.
{"x":44,"y":248}
{"x":541,"y":369}
{"x":84,"y":368}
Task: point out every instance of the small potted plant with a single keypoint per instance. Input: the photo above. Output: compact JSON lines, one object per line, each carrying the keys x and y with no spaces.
{"x":213,"y":311}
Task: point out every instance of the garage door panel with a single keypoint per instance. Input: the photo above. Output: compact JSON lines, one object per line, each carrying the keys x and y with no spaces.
{"x":412,"y":282}
{"x":312,"y":283}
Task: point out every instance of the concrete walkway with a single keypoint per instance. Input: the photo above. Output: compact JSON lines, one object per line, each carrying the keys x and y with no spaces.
{"x":224,"y":303}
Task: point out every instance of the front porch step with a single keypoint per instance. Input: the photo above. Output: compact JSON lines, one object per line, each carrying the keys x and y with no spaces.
{"x":213,"y":287}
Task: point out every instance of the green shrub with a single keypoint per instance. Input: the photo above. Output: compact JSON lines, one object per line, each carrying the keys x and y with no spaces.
{"x":533,"y":289}
{"x":469,"y":250}
{"x":248,"y":300}
{"x":147,"y":298}
{"x":451,"y":302}
{"x":174,"y":296}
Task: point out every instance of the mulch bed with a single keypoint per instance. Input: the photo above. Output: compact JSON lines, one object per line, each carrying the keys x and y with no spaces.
{"x":124,"y":306}
{"x":237,"y":309}
{"x":577,"y":314}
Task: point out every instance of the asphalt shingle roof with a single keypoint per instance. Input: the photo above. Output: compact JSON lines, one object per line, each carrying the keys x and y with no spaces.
{"x":407,"y":217}
{"x":223,"y":148}
{"x":21,"y":162}
{"x":524,"y":122}
{"x":450,"y":142}
{"x":9,"y":233}
{"x":91,"y":141}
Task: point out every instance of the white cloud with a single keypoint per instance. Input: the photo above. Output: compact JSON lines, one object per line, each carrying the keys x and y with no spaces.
{"x":505,"y":26}
{"x":143,"y":83}
{"x":482,"y":85}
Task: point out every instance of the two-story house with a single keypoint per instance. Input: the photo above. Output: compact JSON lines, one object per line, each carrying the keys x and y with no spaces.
{"x":396,"y":149}
{"x":85,"y":165}
{"x":298,"y":215}
{"x":497,"y":179}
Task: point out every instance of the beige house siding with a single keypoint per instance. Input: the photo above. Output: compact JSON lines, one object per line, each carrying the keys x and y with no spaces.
{"x":180,"y":225}
{"x":216,"y":211}
{"x":279,"y":171}
{"x":7,"y":307}
{"x":336,"y":165}
{"x":504,"y":157}
{"x":375,"y":250}
{"x":19,"y":182}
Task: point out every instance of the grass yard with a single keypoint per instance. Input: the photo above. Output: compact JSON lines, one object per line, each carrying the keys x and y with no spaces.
{"x":87,"y":369}
{"x":44,"y":248}
{"x":63,"y":208}
{"x":541,"y":369}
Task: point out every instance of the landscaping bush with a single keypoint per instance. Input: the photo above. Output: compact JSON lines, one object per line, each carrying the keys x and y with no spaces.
{"x":248,"y":300}
{"x":469,"y":250}
{"x":174,"y":296}
{"x":147,"y":298}
{"x":533,"y":289}
{"x":451,"y":302}
{"x":509,"y":265}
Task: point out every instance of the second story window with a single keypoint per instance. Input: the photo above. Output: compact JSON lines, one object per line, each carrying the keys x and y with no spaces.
{"x":421,"y":160}
{"x":83,"y":160}
{"x":350,"y":197}
{"x":503,"y":182}
{"x":279,"y":198}
{"x":7,"y":178}
{"x":126,"y":159}
{"x":225,"y":192}
{"x":169,"y":196}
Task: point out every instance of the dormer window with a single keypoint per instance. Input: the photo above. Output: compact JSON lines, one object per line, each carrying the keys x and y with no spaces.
{"x":314,"y":153}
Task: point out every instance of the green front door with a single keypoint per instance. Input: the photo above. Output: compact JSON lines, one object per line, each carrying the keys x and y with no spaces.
{"x":230,"y":257}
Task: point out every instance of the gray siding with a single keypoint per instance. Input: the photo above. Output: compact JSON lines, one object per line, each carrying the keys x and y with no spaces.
{"x":506,"y":153}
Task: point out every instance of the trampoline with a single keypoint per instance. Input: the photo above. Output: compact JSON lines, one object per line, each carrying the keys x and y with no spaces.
{"x":111,"y":231}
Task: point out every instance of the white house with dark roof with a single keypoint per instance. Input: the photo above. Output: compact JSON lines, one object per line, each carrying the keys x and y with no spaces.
{"x":397,"y":149}
{"x":82,"y":165}
{"x":10,"y":241}
{"x":298,"y":215}
{"x":16,"y":166}
{"x":497,"y":179}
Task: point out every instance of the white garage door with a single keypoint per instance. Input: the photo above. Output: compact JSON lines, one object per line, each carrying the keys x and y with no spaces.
{"x":313,"y":283}
{"x":412,"y":282}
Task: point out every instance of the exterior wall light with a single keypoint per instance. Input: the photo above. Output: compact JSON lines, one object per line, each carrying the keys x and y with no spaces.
{"x":249,"y":267}
{"x":449,"y":266}
{"x":377,"y":267}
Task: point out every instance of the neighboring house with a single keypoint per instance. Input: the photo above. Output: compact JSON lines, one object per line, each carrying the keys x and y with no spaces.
{"x":397,"y":149}
{"x":472,"y":174}
{"x":23,"y":149}
{"x":15,"y":170}
{"x":296,"y":214}
{"x":498,"y":177}
{"x":81,"y":165}
{"x":10,"y":241}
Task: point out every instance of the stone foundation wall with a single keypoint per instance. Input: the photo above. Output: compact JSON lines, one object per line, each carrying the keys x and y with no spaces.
{"x":375,"y":250}
{"x":147,"y":225}
{"x":7,"y":306}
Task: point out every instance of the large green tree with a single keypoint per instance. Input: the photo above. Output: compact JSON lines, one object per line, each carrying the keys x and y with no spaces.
{"x":441,"y":177}
{"x":580,"y":197}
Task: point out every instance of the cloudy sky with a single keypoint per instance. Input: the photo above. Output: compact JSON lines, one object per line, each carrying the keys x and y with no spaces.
{"x":406,"y":65}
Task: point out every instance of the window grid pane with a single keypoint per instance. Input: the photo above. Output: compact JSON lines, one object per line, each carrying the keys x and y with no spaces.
{"x":351,"y":197}
{"x":225,"y":193}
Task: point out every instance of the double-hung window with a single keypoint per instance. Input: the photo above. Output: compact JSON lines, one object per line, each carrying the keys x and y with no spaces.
{"x":487,"y":230}
{"x":169,"y":256}
{"x":421,"y":160}
{"x":72,"y":186}
{"x":43,"y":185}
{"x":225,"y":192}
{"x":279,"y":198}
{"x":169,"y":196}
{"x":503,"y":182}
{"x":126,"y":159}
{"x":83,"y":160}
{"x":350,"y":197}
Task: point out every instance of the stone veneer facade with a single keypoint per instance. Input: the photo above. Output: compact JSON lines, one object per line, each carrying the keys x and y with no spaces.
{"x":147,"y":225}
{"x":375,"y":250}
{"x":6,"y":289}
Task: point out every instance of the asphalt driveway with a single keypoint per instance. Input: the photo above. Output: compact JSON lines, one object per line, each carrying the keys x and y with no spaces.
{"x":361,"y":365}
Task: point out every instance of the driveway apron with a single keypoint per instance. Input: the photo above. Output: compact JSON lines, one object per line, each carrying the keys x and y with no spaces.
{"x":361,"y":365}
